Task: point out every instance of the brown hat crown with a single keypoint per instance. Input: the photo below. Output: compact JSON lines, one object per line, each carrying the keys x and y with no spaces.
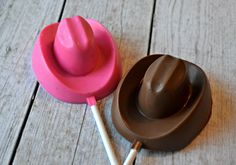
{"x":165,"y":88}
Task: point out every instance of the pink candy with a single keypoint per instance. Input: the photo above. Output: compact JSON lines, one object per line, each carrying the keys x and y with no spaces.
{"x":76,"y":59}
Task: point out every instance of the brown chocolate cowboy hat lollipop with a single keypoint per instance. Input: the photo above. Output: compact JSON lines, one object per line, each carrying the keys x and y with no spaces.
{"x":162,"y":104}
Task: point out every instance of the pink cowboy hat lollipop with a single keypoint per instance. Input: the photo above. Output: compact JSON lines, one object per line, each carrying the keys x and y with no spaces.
{"x":77,"y":61}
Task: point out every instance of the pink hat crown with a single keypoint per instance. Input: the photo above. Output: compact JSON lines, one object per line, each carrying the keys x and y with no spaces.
{"x":74,"y":46}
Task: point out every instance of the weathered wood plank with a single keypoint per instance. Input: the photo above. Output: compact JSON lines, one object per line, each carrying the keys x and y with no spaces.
{"x":20,"y":22}
{"x":46,"y":139}
{"x":51,"y":133}
{"x":203,"y":32}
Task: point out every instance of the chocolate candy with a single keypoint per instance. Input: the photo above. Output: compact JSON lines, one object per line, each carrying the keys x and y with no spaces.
{"x":163,"y":102}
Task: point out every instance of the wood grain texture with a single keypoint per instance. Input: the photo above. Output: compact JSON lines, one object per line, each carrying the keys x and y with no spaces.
{"x":51,"y":133}
{"x":60,"y":133}
{"x":20,"y":21}
{"x":202,"y":32}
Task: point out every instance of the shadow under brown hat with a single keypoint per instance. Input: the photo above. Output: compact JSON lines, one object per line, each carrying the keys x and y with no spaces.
{"x":163,"y":102}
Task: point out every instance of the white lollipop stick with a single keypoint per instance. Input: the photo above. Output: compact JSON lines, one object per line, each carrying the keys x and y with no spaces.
{"x":130,"y":158}
{"x":105,"y":138}
{"x":133,"y":153}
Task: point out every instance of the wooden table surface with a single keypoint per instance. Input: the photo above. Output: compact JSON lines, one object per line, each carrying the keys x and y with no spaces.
{"x":35,"y":128}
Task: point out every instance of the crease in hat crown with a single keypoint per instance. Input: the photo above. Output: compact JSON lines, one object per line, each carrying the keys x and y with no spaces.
{"x":164,"y":89}
{"x":74,"y":46}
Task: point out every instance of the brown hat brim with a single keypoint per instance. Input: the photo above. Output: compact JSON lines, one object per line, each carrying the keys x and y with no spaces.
{"x":165,"y":134}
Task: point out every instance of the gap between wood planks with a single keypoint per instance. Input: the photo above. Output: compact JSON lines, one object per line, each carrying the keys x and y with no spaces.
{"x":37,"y":83}
{"x":30,"y":105}
{"x":151,"y":27}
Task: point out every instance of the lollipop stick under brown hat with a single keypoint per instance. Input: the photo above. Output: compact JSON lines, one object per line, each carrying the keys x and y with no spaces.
{"x":161,"y":104}
{"x":136,"y":146}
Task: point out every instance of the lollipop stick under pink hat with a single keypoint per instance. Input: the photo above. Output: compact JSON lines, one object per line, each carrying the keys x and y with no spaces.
{"x":77,"y":61}
{"x":105,"y":138}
